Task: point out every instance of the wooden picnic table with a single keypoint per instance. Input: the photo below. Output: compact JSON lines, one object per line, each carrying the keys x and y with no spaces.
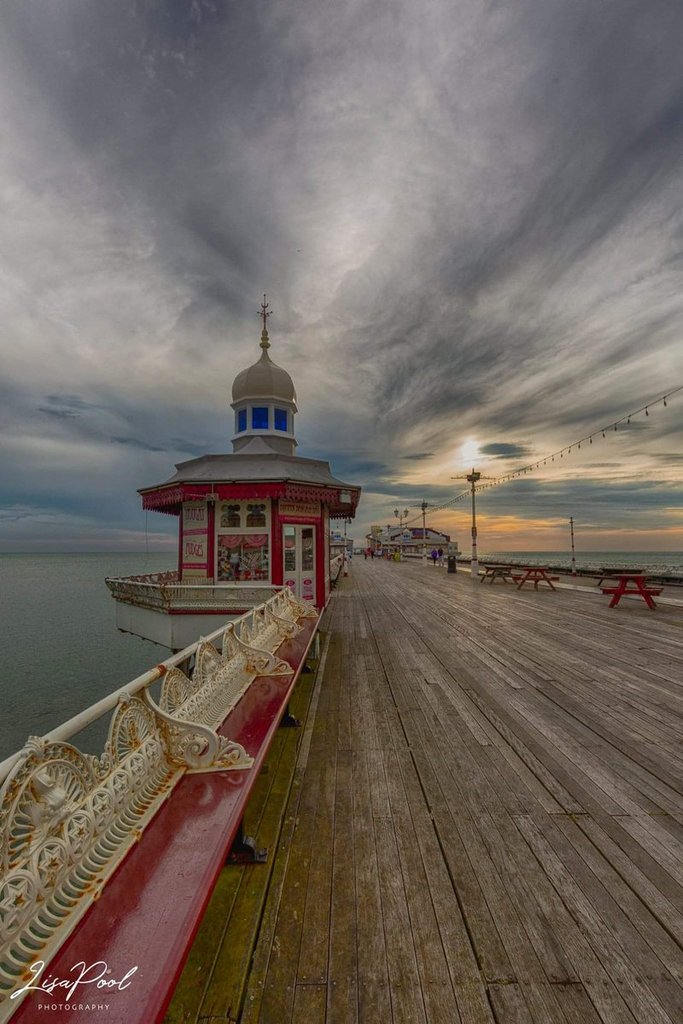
{"x":610,"y":572}
{"x":535,"y":574}
{"x":639,"y":581}
{"x":498,"y":572}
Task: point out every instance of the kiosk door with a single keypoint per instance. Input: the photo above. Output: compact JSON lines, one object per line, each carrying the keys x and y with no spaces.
{"x":298,"y":547}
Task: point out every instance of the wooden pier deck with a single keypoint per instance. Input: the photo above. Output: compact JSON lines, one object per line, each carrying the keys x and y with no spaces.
{"x":486,"y":820}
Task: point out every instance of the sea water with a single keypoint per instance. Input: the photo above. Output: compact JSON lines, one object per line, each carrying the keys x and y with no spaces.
{"x":656,"y":563}
{"x":61,"y":650}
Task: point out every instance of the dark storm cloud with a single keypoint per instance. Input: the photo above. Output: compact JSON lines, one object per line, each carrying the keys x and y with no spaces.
{"x":63,"y":414}
{"x":66,"y":406}
{"x":418,"y":456}
{"x":13,"y":514}
{"x":74,"y":402}
{"x":504,"y":450}
{"x":135,"y":442}
{"x":179,"y":444}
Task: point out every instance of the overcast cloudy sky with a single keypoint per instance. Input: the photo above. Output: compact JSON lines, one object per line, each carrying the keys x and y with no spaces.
{"x":467,"y":214}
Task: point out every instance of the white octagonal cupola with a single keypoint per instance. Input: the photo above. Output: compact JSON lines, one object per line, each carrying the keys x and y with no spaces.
{"x":264,"y":402}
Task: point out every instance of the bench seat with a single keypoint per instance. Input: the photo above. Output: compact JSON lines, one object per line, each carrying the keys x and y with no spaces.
{"x":654,"y":591}
{"x":150,"y":910}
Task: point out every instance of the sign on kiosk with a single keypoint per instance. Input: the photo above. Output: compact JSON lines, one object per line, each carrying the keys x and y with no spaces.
{"x":194,"y":516}
{"x":299,"y":508}
{"x":195,"y":539}
{"x":194,"y":550}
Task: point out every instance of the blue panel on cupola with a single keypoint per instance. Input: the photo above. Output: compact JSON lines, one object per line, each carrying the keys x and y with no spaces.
{"x":242,"y":420}
{"x":280,"y":419}
{"x":259,"y":418}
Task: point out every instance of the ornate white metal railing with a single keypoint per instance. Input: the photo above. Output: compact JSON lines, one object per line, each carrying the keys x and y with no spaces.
{"x":336,"y":564}
{"x":163,"y":592}
{"x":67,"y":818}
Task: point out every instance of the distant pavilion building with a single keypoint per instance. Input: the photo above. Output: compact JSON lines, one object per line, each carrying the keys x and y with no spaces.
{"x":257,"y":518}
{"x":409,"y":539}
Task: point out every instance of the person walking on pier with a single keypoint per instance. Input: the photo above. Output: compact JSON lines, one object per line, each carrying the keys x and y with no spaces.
{"x":434,"y":555}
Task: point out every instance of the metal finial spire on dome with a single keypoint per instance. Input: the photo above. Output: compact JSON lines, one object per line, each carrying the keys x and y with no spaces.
{"x":264,"y":313}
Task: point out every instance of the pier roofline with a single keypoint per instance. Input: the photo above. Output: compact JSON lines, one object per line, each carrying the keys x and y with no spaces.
{"x":221,"y":477}
{"x":169,"y":498}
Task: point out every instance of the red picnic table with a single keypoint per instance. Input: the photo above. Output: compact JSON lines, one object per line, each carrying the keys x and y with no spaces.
{"x":498,"y":572}
{"x":535,"y":574}
{"x":640,"y":586}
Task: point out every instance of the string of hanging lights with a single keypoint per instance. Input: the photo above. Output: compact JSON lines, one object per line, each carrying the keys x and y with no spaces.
{"x":600,"y":432}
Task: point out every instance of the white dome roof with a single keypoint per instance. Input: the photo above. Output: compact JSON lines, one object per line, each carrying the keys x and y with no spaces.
{"x":263,"y":380}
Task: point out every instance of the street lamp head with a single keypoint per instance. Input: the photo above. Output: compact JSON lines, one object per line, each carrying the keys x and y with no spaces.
{"x":396,"y":512}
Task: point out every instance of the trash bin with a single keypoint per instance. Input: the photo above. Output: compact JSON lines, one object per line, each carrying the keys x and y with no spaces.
{"x":451,"y":563}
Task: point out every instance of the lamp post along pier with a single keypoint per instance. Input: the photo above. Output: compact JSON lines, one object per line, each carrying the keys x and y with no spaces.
{"x":472,"y":479}
{"x":401,"y":516}
{"x":423,"y":506}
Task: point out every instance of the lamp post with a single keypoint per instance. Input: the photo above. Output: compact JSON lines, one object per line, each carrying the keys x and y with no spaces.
{"x":401,"y":516}
{"x":571,"y":529}
{"x":424,"y":506}
{"x":346,"y":548}
{"x":473,"y":478}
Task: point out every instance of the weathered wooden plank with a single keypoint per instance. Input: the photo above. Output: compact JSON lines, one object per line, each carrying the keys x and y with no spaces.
{"x":658,"y":938}
{"x":406,"y":992}
{"x":374,"y":1000}
{"x":342,"y":990}
{"x":227,"y":982}
{"x":435,"y":980}
{"x":489,"y":949}
{"x":276,"y":989}
{"x":645,"y":1005}
{"x":509,"y":1004}
{"x":309,"y":1004}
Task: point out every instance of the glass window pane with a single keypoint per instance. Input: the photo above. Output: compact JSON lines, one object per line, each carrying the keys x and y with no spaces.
{"x":254,"y":560}
{"x":242,"y":420}
{"x":280,"y":419}
{"x":307,"y":551}
{"x":242,"y":557}
{"x":259,"y":418}
{"x":230,"y":515}
{"x":256,"y":515}
{"x":289,"y":547}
